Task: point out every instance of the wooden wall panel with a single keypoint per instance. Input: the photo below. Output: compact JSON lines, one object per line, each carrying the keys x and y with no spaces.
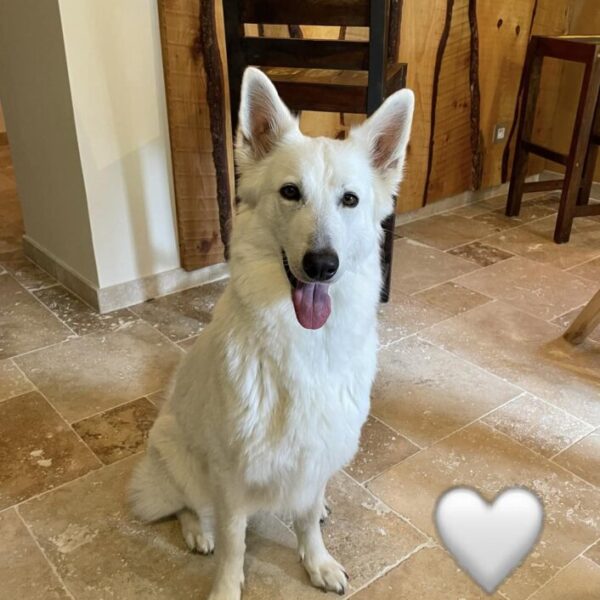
{"x":198,"y":216}
{"x":420,"y":52}
{"x":451,"y":155}
{"x":503,"y":35}
{"x":464,"y":63}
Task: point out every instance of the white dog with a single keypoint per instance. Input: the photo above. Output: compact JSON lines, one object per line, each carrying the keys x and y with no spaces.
{"x":270,"y":401}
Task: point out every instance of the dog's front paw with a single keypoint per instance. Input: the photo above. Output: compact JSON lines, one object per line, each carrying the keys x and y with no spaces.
{"x":328,"y":575}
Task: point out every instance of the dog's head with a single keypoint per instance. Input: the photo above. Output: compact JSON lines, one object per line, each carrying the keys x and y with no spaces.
{"x":322,"y":200}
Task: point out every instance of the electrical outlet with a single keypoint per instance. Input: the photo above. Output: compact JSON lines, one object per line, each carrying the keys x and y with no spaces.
{"x":500,"y":133}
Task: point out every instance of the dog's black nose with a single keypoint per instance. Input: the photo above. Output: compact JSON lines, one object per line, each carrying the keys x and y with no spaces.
{"x":321,"y":266}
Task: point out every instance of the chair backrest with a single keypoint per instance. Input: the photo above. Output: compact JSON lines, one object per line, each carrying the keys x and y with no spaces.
{"x":378,"y":15}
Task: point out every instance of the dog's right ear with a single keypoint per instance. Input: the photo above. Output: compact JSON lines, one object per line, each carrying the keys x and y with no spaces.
{"x":263,"y":117}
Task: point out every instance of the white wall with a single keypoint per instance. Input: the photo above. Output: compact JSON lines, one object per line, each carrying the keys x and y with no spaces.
{"x":116,"y":81}
{"x":34,"y":88}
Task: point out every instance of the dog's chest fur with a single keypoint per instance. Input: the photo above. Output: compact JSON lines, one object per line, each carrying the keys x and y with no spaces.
{"x":291,"y":401}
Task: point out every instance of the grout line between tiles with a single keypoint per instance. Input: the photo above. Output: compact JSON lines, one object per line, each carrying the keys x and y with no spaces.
{"x":514,"y":384}
{"x":47,"y":309}
{"x":395,"y":431}
{"x":555,"y":575}
{"x":389,"y":568}
{"x":101,"y":412}
{"x":62,"y":418}
{"x":587,"y":483}
{"x":50,"y":563}
{"x":393,"y":511}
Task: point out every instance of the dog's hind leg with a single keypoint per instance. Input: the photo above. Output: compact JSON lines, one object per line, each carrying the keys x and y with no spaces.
{"x":152,"y":493}
{"x":197,"y":531}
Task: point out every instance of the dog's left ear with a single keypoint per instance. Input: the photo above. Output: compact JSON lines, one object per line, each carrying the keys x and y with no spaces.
{"x":263,"y":117}
{"x":386,"y":134}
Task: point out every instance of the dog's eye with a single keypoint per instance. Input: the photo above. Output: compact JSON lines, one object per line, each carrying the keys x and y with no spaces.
{"x":290,"y":192}
{"x":350,"y":200}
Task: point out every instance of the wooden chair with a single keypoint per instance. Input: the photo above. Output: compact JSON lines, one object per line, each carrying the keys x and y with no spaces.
{"x":579,"y":163}
{"x":320,"y":75}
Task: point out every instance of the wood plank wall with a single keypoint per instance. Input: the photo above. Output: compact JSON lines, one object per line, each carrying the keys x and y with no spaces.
{"x":465,"y":59}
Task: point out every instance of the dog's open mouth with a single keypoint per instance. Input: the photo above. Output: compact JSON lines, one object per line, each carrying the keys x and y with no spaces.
{"x":311,"y":300}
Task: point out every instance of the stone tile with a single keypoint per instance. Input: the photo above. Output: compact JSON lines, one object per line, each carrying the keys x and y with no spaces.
{"x":119,"y":432}
{"x":88,"y":518}
{"x":91,"y":374}
{"x":578,"y":581}
{"x":29,"y":275}
{"x":183,"y":314}
{"x":380,"y":448}
{"x":538,"y":425}
{"x":594,"y":553}
{"x":417,"y":266}
{"x":452,"y":297}
{"x":535,"y":241}
{"x":24,"y":572}
{"x":12,"y":381}
{"x":487,"y":460}
{"x":426,"y":393}
{"x":430,"y":574}
{"x":38,"y":451}
{"x":445,"y":231}
{"x":589,"y":270}
{"x":186,"y":345}
{"x":77,"y":315}
{"x":481,"y":254}
{"x":531,"y":211}
{"x":404,"y":315}
{"x":528,"y":352}
{"x":24,"y":324}
{"x":583,"y":458}
{"x":563,"y":321}
{"x":472,"y":210}
{"x":540,"y":290}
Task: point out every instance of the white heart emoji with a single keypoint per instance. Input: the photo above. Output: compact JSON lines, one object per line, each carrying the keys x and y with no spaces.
{"x":489,"y":541}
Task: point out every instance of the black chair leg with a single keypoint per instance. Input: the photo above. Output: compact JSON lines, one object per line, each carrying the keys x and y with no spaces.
{"x":387,"y":252}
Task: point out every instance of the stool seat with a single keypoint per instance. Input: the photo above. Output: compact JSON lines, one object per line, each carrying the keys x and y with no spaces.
{"x":580,"y":160}
{"x":330,"y":90}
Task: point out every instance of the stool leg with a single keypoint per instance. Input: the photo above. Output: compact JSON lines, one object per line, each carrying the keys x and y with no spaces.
{"x":533,"y":70}
{"x":580,"y":142}
{"x":387,"y":253}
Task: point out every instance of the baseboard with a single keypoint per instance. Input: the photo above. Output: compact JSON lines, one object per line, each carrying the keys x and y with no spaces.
{"x":469,"y":197}
{"x":79,"y":285}
{"x":124,"y":294}
{"x":161,"y":284}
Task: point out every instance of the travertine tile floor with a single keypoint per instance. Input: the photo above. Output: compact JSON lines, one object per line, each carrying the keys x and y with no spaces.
{"x":475,"y":387}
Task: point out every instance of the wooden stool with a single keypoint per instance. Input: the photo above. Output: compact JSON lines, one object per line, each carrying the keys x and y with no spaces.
{"x":579,"y":163}
{"x":320,"y":75}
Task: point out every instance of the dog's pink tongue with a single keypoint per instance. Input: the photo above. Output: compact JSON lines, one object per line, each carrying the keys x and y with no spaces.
{"x":312,"y":304}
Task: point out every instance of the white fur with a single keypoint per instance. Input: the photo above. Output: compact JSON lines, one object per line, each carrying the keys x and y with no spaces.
{"x":264,"y":412}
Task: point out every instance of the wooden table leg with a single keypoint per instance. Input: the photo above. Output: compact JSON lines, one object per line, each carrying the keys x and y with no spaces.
{"x":533,"y":70}
{"x":587,"y":320}
{"x":580,"y":142}
{"x":387,"y":253}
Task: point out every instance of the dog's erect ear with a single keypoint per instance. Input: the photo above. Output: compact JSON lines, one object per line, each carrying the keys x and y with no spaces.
{"x":387,"y":131}
{"x":263,"y":118}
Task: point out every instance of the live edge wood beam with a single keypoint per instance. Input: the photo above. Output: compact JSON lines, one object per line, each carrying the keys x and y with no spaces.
{"x":215,"y":93}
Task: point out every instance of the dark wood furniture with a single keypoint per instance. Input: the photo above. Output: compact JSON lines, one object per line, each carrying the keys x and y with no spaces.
{"x":320,"y":75}
{"x":580,"y":161}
